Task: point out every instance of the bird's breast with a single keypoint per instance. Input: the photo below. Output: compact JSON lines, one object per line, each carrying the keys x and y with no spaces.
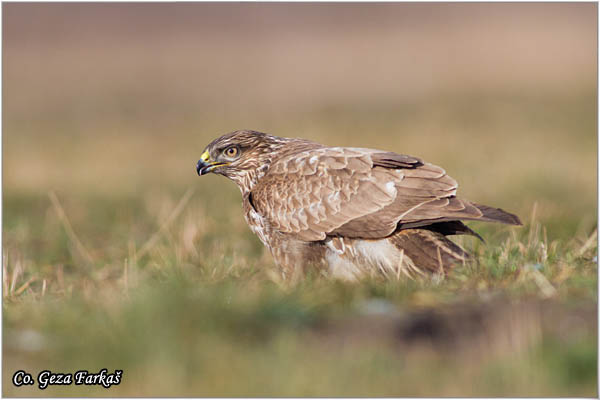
{"x":258,"y":224}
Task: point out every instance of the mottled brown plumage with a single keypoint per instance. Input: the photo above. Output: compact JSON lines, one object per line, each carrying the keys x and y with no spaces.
{"x":349,"y":211}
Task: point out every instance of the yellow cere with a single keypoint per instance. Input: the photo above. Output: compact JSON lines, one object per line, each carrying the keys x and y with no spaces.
{"x":205,"y":156}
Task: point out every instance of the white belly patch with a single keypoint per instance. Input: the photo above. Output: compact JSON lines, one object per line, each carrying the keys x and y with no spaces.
{"x":352,"y":258}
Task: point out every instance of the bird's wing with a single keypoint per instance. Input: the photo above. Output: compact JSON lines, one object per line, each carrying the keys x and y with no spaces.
{"x":356,"y":193}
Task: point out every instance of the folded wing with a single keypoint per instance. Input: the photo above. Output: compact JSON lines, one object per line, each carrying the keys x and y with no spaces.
{"x":360,"y":193}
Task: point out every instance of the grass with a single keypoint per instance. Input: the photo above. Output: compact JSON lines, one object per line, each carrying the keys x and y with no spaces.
{"x":116,"y":255}
{"x":202,"y":309}
{"x":167,"y":281}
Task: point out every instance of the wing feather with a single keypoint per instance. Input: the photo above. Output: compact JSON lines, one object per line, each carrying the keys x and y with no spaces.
{"x":360,"y":193}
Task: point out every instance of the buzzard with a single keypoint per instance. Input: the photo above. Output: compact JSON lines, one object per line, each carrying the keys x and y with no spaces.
{"x":348,"y":211}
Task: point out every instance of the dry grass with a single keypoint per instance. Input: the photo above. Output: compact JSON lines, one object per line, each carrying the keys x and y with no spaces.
{"x":214,"y":309}
{"x":116,"y":255}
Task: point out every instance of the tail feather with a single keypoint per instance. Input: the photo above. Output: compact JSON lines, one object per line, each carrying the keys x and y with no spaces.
{"x":428,"y":250}
{"x":498,"y":215}
{"x":468,"y":212}
{"x":452,"y":228}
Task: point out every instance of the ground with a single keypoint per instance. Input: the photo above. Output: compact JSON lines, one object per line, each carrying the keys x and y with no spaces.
{"x":117,"y":256}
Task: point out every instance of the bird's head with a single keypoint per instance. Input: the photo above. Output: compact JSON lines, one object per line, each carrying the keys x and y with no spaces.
{"x":243,"y":156}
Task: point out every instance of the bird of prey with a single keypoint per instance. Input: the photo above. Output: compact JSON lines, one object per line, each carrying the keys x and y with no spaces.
{"x":351,"y":212}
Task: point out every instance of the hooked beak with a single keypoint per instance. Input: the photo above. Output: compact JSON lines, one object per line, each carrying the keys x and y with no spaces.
{"x":205,"y":166}
{"x":202,"y":168}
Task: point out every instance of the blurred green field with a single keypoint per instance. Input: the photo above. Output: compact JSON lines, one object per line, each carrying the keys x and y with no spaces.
{"x":116,"y":255}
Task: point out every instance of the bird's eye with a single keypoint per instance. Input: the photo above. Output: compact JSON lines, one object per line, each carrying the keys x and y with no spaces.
{"x":231,"y":152}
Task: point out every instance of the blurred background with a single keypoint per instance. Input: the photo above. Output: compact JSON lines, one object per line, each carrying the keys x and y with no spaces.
{"x":107,"y":107}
